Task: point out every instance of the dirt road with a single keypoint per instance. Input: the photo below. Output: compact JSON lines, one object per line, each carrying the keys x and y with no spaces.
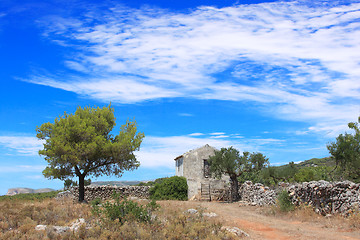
{"x":259,"y":225}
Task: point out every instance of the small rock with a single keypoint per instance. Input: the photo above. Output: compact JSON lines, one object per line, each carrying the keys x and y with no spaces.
{"x":40,"y":227}
{"x":210,"y":215}
{"x":76,"y":225}
{"x":236,"y":231}
{"x":192,"y":211}
{"x":60,"y":229}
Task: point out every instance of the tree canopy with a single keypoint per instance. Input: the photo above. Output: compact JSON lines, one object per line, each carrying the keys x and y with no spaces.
{"x":346,"y":151}
{"x":229,"y":161}
{"x":81,"y":144}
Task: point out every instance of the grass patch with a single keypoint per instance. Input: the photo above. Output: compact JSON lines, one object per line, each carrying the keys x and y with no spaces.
{"x":284,"y":202}
{"x":30,"y":196}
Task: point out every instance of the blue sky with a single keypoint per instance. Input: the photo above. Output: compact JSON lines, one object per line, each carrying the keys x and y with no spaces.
{"x":278,"y":77}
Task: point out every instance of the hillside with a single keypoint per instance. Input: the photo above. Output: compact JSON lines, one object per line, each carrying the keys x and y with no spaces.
{"x":313,"y":162}
{"x":14,"y":191}
{"x":326,"y":161}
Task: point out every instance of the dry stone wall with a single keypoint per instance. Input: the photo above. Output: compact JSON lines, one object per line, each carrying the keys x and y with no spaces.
{"x":106,"y":192}
{"x":327,"y":198}
{"x":256,"y":194}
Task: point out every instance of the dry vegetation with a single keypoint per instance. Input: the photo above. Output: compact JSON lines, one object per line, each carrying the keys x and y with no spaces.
{"x":18,"y":219}
{"x":306,"y":213}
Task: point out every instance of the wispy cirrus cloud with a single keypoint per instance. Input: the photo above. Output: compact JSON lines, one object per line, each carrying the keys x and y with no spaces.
{"x":22,"y":145}
{"x":161,"y":151}
{"x":21,"y":168}
{"x":295,"y":60}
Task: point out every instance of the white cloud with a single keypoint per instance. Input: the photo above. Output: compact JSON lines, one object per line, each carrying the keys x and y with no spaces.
{"x":161,"y":151}
{"x":22,"y":144}
{"x":220,"y":136}
{"x":35,"y":177}
{"x":217,"y":133}
{"x":265,"y":141}
{"x":22,"y":168}
{"x":186,"y":114}
{"x":300,"y":61}
{"x":196,"y":134}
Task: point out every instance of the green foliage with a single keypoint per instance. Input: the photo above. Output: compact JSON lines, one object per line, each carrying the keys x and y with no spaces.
{"x":273,"y":175}
{"x":229,"y":161}
{"x":284,"y":202}
{"x":68,"y":183}
{"x":30,"y":196}
{"x":313,"y":174}
{"x":80,"y":145}
{"x":305,"y":175}
{"x":346,"y":152}
{"x":152,"y":183}
{"x":173,"y":188}
{"x":238,"y":167}
{"x":123,"y":210}
{"x":310,"y":170}
{"x":95,"y":202}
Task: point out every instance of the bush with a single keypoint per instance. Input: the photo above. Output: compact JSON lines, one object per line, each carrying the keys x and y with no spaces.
{"x":123,"y":210}
{"x":152,"y":183}
{"x":173,"y":188}
{"x":284,"y":202}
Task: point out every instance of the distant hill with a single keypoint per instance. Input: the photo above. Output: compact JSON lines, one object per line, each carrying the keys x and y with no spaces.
{"x":314,"y":162}
{"x":14,"y":191}
{"x":326,"y":161}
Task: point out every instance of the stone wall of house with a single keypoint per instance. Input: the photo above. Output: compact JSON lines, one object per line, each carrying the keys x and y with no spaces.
{"x":106,"y":192}
{"x":191,"y":165}
{"x":326,"y":197}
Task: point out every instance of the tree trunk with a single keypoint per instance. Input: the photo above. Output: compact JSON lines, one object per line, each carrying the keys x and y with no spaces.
{"x":234,"y":189}
{"x":81,"y":188}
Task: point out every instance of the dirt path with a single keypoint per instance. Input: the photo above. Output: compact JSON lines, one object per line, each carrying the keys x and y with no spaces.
{"x":261,"y":226}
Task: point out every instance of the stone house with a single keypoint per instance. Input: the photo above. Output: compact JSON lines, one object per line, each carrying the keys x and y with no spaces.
{"x":194,"y":166}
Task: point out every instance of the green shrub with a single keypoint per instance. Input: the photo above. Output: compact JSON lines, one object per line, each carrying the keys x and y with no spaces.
{"x":284,"y":202}
{"x":173,"y":188}
{"x":95,"y":202}
{"x":152,"y":183}
{"x":123,"y":210}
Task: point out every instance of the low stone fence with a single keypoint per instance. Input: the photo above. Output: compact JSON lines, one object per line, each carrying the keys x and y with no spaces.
{"x":106,"y":192}
{"x":256,"y":194}
{"x":325,"y":197}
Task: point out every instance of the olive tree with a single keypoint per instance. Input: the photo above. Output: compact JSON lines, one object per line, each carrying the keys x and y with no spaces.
{"x":229,"y":161}
{"x":346,"y":151}
{"x":81,"y":144}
